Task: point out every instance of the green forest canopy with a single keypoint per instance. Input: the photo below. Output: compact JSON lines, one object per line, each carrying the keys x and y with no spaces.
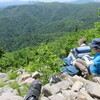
{"x":36,"y":58}
{"x":30,"y":25}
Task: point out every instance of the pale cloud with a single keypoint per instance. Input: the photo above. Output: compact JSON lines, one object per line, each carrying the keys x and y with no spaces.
{"x":46,"y":0}
{"x":97,"y":0}
{"x":41,"y":0}
{"x":4,"y":0}
{"x":56,"y":0}
{"x":65,"y":0}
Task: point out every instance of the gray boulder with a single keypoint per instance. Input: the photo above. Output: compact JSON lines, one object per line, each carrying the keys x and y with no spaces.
{"x":2,"y":76}
{"x":93,"y":89}
{"x":10,"y":96}
{"x":69,"y":94}
{"x":53,"y":89}
{"x":57,"y":97}
{"x":83,"y":95}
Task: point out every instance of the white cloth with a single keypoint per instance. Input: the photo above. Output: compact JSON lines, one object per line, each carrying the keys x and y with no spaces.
{"x":88,"y":60}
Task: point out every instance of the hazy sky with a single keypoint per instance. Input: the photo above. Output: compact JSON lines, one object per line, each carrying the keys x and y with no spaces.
{"x":46,"y":0}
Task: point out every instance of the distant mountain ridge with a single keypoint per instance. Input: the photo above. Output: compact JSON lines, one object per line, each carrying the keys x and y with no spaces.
{"x":84,"y":1}
{"x":15,"y":2}
{"x":9,"y":3}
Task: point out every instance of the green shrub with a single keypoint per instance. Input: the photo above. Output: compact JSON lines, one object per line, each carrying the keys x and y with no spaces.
{"x":14,"y":85}
{"x":23,"y":92}
{"x":89,"y":77}
{"x":13,"y":75}
{"x":2,"y":83}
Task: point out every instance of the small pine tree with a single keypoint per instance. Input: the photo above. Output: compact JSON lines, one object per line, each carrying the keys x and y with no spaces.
{"x":76,"y":28}
{"x":1,"y":52}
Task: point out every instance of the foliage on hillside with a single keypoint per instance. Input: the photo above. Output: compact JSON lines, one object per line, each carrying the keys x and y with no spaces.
{"x":27,"y":25}
{"x":45,"y":58}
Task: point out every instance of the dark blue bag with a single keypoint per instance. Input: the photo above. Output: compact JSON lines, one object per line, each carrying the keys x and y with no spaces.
{"x":71,"y":70}
{"x":67,"y":61}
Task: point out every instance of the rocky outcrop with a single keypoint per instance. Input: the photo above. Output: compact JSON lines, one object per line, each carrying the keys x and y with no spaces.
{"x":10,"y":96}
{"x":93,"y":89}
{"x":62,"y":87}
{"x":8,"y":93}
{"x":71,"y":88}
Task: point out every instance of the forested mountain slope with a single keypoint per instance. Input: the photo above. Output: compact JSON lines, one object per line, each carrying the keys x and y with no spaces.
{"x":35,"y":23}
{"x":45,"y":58}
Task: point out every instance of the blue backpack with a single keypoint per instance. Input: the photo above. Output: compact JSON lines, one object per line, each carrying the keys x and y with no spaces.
{"x":71,"y":70}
